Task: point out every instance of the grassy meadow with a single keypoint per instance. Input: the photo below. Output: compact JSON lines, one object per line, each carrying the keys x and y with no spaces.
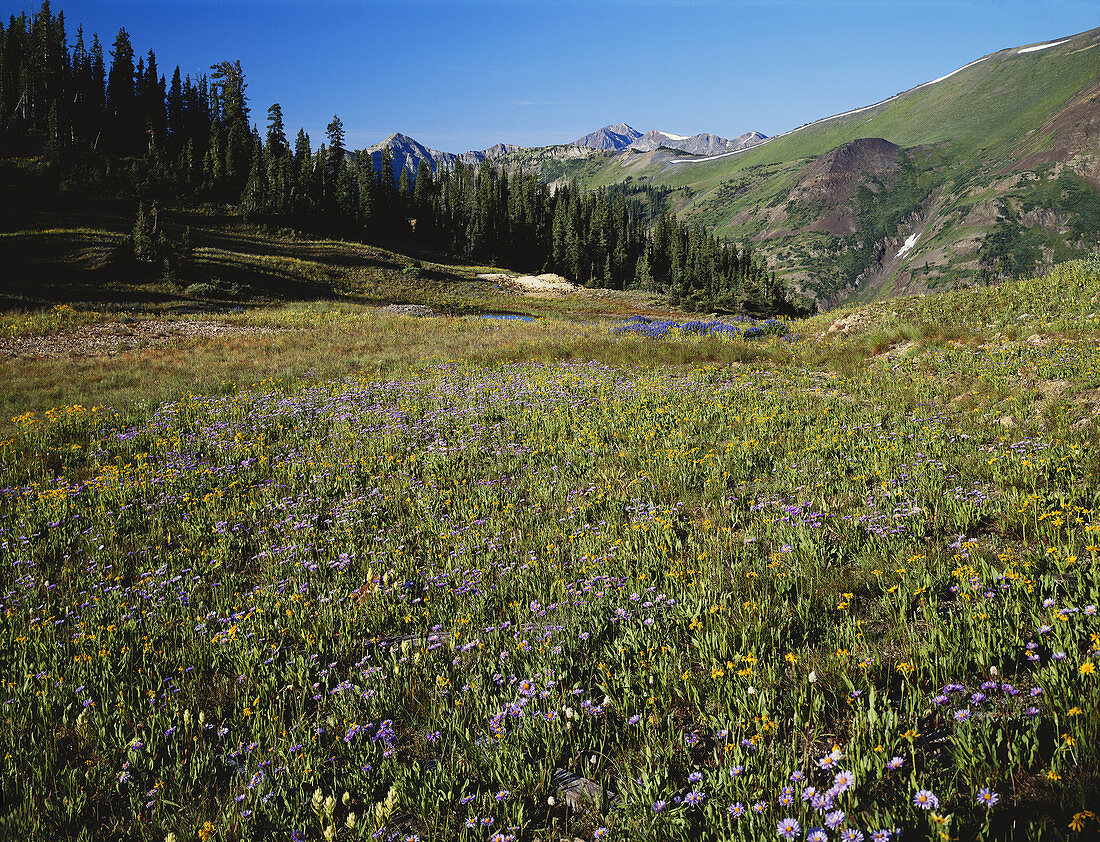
{"x":372,"y":576}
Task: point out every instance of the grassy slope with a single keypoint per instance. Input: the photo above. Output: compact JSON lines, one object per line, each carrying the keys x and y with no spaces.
{"x":985,"y":109}
{"x":245,"y":554}
{"x":985,"y":115}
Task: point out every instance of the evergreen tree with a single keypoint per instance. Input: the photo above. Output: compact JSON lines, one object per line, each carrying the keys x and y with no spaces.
{"x":175,"y":128}
{"x":301,"y":190}
{"x":122,"y":128}
{"x":228,"y":91}
{"x":334,"y":165}
{"x":279,"y":163}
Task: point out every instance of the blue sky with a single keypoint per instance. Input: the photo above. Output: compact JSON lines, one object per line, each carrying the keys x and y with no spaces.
{"x":470,"y":73}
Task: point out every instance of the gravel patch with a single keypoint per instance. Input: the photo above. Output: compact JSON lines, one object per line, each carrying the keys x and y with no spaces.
{"x":107,"y":339}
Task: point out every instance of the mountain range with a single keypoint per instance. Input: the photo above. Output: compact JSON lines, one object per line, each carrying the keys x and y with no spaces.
{"x":407,"y":153}
{"x":621,"y":136}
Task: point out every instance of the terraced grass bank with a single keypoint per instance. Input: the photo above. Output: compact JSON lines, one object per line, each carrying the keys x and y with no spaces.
{"x":801,"y":596}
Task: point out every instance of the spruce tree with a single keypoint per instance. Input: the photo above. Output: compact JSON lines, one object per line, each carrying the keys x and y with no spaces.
{"x":122,"y":127}
{"x":334,"y":164}
{"x":174,"y":105}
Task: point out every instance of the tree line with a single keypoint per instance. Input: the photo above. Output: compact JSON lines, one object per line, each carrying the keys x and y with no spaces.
{"x":119,"y":126}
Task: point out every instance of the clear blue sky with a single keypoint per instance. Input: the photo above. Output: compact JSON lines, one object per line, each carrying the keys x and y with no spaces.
{"x":470,"y":73}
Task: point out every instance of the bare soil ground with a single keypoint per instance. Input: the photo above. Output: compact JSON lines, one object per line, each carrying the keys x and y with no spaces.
{"x":111,"y":338}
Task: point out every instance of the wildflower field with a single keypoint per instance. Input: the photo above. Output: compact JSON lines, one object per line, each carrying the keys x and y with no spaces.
{"x":566,"y":598}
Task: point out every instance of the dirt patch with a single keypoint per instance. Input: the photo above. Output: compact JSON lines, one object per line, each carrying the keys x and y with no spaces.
{"x":1088,"y":408}
{"x":852,"y":322}
{"x":899,"y":349}
{"x":539,"y":286}
{"x":111,"y":338}
{"x":408,"y":310}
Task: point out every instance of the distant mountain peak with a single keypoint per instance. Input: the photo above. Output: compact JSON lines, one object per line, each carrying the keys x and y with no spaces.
{"x":616,"y":137}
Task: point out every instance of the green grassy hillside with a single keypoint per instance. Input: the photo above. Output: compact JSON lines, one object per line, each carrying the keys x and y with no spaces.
{"x":969,"y":133}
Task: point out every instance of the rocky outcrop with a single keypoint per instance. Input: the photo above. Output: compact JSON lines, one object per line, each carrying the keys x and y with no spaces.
{"x":408,"y":153}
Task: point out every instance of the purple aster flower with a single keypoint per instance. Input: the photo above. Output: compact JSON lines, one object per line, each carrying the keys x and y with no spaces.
{"x":737,"y":809}
{"x":894,"y":763}
{"x":829,"y":760}
{"x":987,"y":797}
{"x":817,"y":834}
{"x":787,"y":828}
{"x":693,"y":798}
{"x":844,"y":781}
{"x":659,"y":805}
{"x":851,"y":835}
{"x":834,"y":819}
{"x":925,"y":800}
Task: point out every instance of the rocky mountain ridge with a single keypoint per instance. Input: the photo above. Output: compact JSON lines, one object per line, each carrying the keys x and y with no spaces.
{"x":698,"y":144}
{"x":616,"y":137}
{"x":407,"y":153}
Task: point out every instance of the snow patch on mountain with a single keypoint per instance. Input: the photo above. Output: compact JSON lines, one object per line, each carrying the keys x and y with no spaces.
{"x":910,"y":241}
{"x":1043,"y":46}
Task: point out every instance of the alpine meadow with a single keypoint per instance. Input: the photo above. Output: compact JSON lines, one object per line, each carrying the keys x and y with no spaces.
{"x":647,"y":487}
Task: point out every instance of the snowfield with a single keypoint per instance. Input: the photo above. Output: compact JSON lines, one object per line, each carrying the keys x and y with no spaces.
{"x":1043,"y":47}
